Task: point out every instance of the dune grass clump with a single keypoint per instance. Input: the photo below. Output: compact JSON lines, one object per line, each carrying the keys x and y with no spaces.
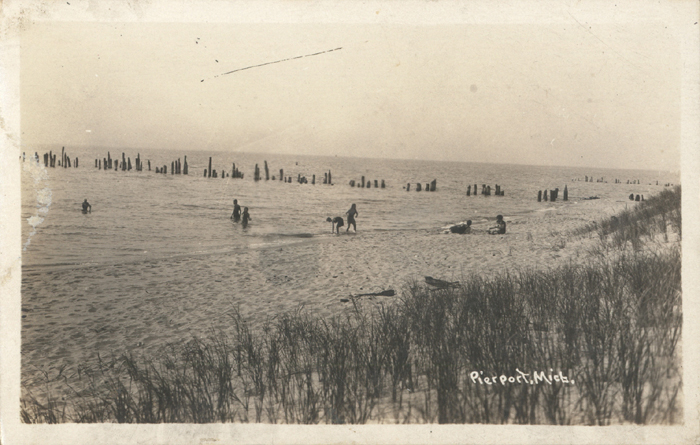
{"x":594,"y":342}
{"x":660,"y":214}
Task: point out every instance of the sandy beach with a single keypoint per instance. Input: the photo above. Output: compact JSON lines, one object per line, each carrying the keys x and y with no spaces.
{"x":140,"y":307}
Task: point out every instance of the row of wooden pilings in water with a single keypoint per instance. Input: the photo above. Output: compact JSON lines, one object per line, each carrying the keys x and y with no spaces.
{"x":485,"y":190}
{"x":113,"y":164}
{"x":367,"y":184}
{"x":617,"y":181}
{"x":429,"y":186}
{"x":235,"y":173}
{"x":50,"y":159}
{"x":553,"y":195}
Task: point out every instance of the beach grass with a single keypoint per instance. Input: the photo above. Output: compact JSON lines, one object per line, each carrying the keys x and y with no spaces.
{"x":594,"y":342}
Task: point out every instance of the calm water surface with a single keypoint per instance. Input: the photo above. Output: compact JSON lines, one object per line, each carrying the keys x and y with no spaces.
{"x":143,"y":216}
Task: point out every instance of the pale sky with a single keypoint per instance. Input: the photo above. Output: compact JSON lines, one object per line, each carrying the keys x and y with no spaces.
{"x":562,"y":94}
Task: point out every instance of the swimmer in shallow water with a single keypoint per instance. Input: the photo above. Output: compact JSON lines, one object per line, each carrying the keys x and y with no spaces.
{"x":236,"y":215}
{"x":87,"y":208}
{"x":336,"y":223}
{"x":245,"y":217}
{"x":352,"y":213}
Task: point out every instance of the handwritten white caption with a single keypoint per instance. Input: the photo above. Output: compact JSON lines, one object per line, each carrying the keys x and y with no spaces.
{"x":523,"y":378}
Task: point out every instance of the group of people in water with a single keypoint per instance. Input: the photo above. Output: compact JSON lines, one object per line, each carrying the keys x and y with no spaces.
{"x":336,"y":223}
{"x":237,"y":215}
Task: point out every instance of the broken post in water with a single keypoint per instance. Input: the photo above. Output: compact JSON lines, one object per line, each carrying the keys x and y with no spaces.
{"x":433,"y":185}
{"x":539,"y":196}
{"x":184,"y":169}
{"x":418,"y":187}
{"x":469,"y":190}
{"x":209,"y":167}
{"x":267,"y":172}
{"x":383,"y":185}
{"x":566,"y":194}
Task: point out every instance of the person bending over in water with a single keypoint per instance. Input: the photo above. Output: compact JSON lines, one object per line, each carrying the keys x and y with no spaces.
{"x":352,"y":213}
{"x":87,"y":208}
{"x":236,"y":215}
{"x":499,"y":228}
{"x":336,"y":223}
{"x":246,"y":217}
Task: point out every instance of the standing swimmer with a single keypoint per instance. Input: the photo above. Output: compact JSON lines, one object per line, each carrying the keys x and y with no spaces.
{"x":236,"y":215}
{"x":246,"y":217}
{"x":87,"y":208}
{"x":352,"y":213}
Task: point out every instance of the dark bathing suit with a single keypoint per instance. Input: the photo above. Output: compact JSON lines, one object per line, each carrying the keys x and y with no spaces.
{"x":339,"y":221}
{"x":236,"y":213}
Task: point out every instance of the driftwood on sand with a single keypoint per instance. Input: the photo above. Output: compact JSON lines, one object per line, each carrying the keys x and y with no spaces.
{"x":440,"y":284}
{"x":384,"y":293}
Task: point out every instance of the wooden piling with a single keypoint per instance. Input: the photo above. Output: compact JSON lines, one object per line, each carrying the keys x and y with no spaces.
{"x":539,"y":196}
{"x":184,"y":169}
{"x":76,"y":162}
{"x":209,"y":167}
{"x":566,"y":193}
{"x":418,"y":187}
{"x":545,"y":195}
{"x":433,"y":185}
{"x":313,"y":180}
{"x":408,"y":187}
{"x":281,"y":174}
{"x":330,"y":180}
{"x":469,"y":190}
{"x":99,"y":164}
{"x":267,"y":172}
{"x":383,"y":184}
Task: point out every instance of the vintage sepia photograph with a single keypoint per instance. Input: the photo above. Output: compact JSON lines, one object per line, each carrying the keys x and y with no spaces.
{"x":358,"y":214}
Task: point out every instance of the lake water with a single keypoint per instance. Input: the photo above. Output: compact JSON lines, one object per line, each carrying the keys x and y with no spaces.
{"x":144,"y":216}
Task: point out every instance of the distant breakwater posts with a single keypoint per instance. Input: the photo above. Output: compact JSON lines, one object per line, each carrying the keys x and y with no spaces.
{"x":485,"y":190}
{"x":50,"y":159}
{"x":180,"y":167}
{"x":617,"y":181}
{"x":429,"y":186}
{"x":367,"y":184}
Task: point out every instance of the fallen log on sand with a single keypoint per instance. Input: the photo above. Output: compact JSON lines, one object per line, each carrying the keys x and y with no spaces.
{"x":441,"y":284}
{"x":384,"y":293}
